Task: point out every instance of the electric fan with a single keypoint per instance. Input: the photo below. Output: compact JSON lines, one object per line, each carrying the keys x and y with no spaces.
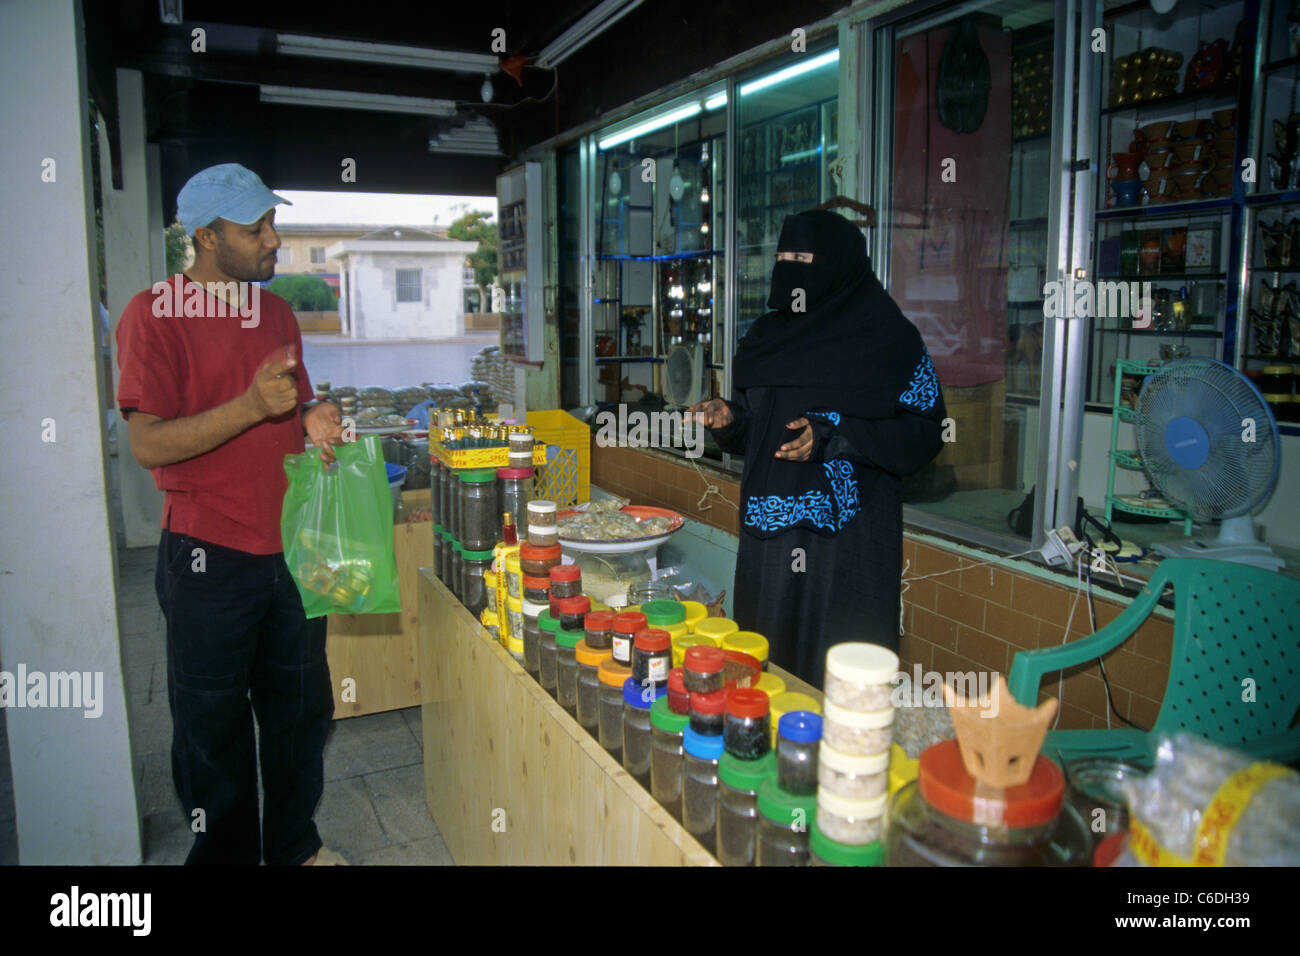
{"x":1209,"y":443}
{"x":684,"y":375}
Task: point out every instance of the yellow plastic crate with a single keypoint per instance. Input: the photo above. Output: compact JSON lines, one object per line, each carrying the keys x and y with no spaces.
{"x":566,"y":479}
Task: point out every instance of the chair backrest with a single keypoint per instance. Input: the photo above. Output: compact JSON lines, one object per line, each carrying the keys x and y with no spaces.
{"x":1235,"y":672}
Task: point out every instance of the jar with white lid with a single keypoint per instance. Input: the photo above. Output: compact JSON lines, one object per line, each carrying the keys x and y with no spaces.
{"x":851,"y":822}
{"x":850,"y":777}
{"x":859,"y":676}
{"x":543,"y":532}
{"x":857,"y":734}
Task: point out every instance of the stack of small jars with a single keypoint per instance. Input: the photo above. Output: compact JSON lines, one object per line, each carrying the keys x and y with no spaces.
{"x":853,"y":764}
{"x":537,"y":556}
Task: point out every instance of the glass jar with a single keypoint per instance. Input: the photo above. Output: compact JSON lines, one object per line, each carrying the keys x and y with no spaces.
{"x":479,"y":510}
{"x":783,"y":822}
{"x":442,"y":561}
{"x":826,"y":852}
{"x":543,"y":531}
{"x":566,"y":581}
{"x":700,"y":756}
{"x":589,"y":660}
{"x":637,"y":701}
{"x":684,"y":642}
{"x":546,"y":651}
{"x":853,"y":778}
{"x":597,"y":625}
{"x":679,"y":698}
{"x":566,"y":670}
{"x":857,"y":734}
{"x":651,"y":652}
{"x":491,"y":624}
{"x":456,"y":503}
{"x":607,"y":577}
{"x":516,"y":490}
{"x":771,"y":685}
{"x":695,"y":612}
{"x":573,"y":613}
{"x":490,"y":588}
{"x":475,"y":563}
{"x":707,"y":713}
{"x":514,"y":576}
{"x":932,"y":819}
{"x":609,"y":708}
{"x":747,"y":727}
{"x":782,"y":704}
{"x":714,"y":629}
{"x":514,"y":619}
{"x":537,"y":590}
{"x":859,"y":676}
{"x":702,"y":669}
{"x":457,"y":582}
{"x":798,"y":739}
{"x":738,"y":783}
{"x":851,"y":822}
{"x":623,"y":631}
{"x":537,"y":561}
{"x":647,"y":592}
{"x":532,"y":645}
{"x":663,"y":614}
{"x":748,"y":642}
{"x":666,"y":756}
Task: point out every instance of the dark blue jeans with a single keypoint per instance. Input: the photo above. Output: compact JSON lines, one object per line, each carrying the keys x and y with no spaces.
{"x":236,"y":633}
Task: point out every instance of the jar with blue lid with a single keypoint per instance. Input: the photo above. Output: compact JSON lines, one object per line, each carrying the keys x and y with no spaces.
{"x":637,"y":700}
{"x":700,"y":757}
{"x":799,"y":735}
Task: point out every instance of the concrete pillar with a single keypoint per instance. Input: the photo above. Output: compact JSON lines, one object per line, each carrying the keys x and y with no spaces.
{"x":129,"y":249}
{"x":153,"y":187}
{"x":73,"y":788}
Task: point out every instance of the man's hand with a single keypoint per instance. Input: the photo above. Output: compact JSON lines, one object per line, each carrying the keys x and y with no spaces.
{"x":801,"y":448}
{"x":274,"y":389}
{"x":715,"y":413}
{"x":324,"y":426}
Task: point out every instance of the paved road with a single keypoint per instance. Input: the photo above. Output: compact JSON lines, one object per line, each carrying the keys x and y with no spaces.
{"x":392,"y":364}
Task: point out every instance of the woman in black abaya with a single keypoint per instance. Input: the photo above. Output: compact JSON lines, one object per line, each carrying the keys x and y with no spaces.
{"x":835,"y":402}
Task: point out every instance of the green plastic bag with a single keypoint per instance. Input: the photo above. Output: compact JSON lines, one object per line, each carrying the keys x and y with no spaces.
{"x":337,"y":529}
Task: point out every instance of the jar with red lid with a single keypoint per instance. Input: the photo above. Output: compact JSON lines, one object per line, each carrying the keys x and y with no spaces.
{"x":573,"y":612}
{"x":939,"y":819}
{"x":566,"y":581}
{"x":537,"y":589}
{"x":598,"y":625}
{"x":707,"y":712}
{"x":747,"y":730}
{"x":703,"y":668}
{"x":651,"y":655}
{"x":537,"y":561}
{"x":679,"y":698}
{"x":623,"y":631}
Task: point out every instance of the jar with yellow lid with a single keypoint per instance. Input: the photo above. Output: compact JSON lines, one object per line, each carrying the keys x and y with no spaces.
{"x":515,"y":645}
{"x":770,"y":684}
{"x":747,"y":642}
{"x":515,"y":619}
{"x":488,"y":618}
{"x":787,"y":702}
{"x":683,"y":641}
{"x":716,"y":628}
{"x":514,"y":576}
{"x":490,"y":587}
{"x":695,"y":612}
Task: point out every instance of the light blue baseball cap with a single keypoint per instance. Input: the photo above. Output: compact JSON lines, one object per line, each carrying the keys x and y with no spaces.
{"x":228,"y":191}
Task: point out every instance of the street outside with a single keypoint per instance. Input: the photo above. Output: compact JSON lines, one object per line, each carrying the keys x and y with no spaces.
{"x":342,"y":361}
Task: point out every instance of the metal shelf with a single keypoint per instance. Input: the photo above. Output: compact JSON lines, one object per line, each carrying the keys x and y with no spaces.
{"x":1165,"y":210}
{"x":1177,"y":99}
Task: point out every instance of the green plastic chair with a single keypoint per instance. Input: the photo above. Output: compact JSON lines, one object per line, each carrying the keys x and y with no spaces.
{"x":1231,"y":622}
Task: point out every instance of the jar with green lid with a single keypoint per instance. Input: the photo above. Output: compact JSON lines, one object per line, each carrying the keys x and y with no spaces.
{"x":457,"y":582}
{"x":738,"y":783}
{"x":700,"y":756}
{"x":479,"y":510}
{"x":609,"y":706}
{"x":546,"y":650}
{"x":823,"y":851}
{"x":663,"y":614}
{"x":589,"y":660}
{"x":532,"y":630}
{"x":637,"y":701}
{"x":566,"y":669}
{"x":475,"y":563}
{"x":666,"y":756}
{"x":783,"y":822}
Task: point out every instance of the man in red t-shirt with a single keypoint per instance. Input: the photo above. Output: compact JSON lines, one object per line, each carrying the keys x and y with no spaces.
{"x":214,"y":390}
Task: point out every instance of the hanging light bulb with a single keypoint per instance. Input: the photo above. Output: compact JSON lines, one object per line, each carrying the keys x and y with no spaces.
{"x":704,"y":194}
{"x":485,"y":90}
{"x":704,"y":228}
{"x":615,"y":183}
{"x":676,"y":185}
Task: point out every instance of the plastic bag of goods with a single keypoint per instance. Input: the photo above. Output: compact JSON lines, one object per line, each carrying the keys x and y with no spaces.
{"x":407,"y":397}
{"x":1207,"y":805}
{"x":375,"y":395}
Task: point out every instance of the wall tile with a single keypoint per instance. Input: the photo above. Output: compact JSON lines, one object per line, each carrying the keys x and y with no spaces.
{"x":975,"y":581}
{"x":921,"y":593}
{"x":938,"y":630}
{"x":1074,"y":718}
{"x":1042,"y":600}
{"x":930,"y":560}
{"x":1018,"y":629}
{"x":1142,"y":710}
{"x":990,"y":652}
{"x":959,"y":607}
{"x":1138,"y":674}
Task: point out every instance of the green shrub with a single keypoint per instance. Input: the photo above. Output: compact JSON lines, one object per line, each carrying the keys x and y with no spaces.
{"x":305,"y":293}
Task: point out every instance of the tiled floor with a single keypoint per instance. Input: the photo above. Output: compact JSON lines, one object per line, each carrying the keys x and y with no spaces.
{"x":373,"y":810}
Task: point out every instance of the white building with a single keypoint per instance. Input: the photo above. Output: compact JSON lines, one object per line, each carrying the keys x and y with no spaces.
{"x":402,"y":283}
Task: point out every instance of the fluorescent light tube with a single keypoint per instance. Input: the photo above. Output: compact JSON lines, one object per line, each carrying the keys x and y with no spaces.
{"x":348,"y":100}
{"x":385,"y":54}
{"x":650,"y":125}
{"x":716,"y":100}
{"x":585,"y":30}
{"x":790,"y":72}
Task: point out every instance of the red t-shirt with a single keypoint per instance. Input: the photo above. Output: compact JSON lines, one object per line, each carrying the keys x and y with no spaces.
{"x":175,"y":366}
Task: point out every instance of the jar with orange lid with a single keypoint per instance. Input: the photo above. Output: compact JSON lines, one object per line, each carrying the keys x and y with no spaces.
{"x":623,"y":631}
{"x":566,"y":581}
{"x":597,"y":625}
{"x":538,"y":562}
{"x":651,"y":656}
{"x":588,"y":704}
{"x":537,"y":590}
{"x":609,"y":707}
{"x":747,"y":642}
{"x":702,"y":669}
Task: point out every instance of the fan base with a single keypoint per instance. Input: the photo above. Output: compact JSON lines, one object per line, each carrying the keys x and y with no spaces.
{"x":1255,"y":555}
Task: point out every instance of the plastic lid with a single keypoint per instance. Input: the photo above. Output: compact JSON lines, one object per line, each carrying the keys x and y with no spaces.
{"x":652,"y":639}
{"x":515,"y":644}
{"x":490,"y":578}
{"x":704,"y":659}
{"x":536,"y":527}
{"x":661,"y":716}
{"x":565,"y":638}
{"x":860,"y":663}
{"x":659,"y":613}
{"x":541,"y":507}
{"x":714,"y":703}
{"x":578,"y":604}
{"x":514,"y":473}
{"x":746,"y":702}
{"x":512,"y":563}
{"x":785,"y":809}
{"x":537,"y":584}
{"x":853,"y":809}
{"x":701,"y":746}
{"x":566,"y":572}
{"x":946,"y":786}
{"x":613,"y":674}
{"x":747,"y":642}
{"x":770,"y":684}
{"x":676,"y":630}
{"x":684,"y":642}
{"x":793,"y":700}
{"x":456,"y":545}
{"x":513,"y":603}
{"x":641,"y":696}
{"x":628,"y":622}
{"x":531,"y":552}
{"x":850,"y":764}
{"x":695,"y":611}
{"x":478,"y":476}
{"x":858,"y":720}
{"x":484,"y":555}
{"x":841,"y":854}
{"x":716,"y":627}
{"x":745,"y":774}
{"x":802,"y":727}
{"x":548,"y":622}
{"x":585,"y":653}
{"x":534,"y":610}
{"x":598,"y":620}
{"x":677,"y":680}
{"x":488,"y":618}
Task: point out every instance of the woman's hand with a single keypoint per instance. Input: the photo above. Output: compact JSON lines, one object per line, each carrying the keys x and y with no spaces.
{"x":715,"y":413}
{"x":801,"y":448}
{"x":324,"y":426}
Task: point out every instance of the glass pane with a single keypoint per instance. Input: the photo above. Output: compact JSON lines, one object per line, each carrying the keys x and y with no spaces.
{"x":569,"y":203}
{"x":965,"y":199}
